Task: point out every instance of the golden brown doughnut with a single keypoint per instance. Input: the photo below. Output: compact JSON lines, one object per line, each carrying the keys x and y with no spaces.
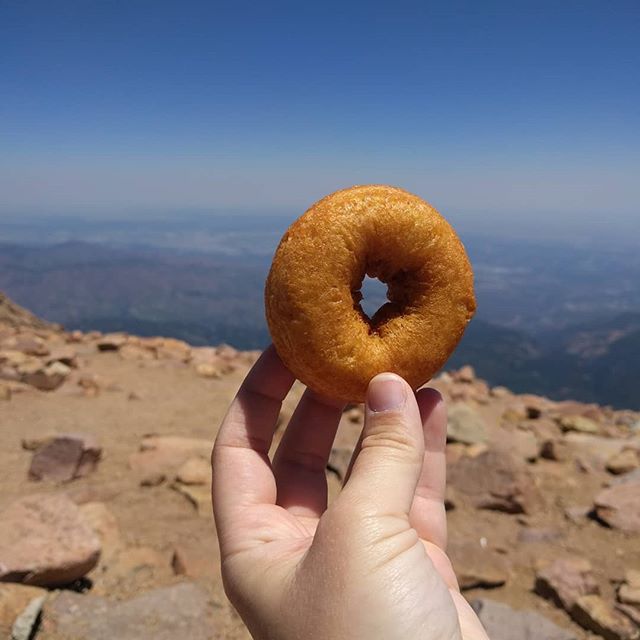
{"x":312,"y":294}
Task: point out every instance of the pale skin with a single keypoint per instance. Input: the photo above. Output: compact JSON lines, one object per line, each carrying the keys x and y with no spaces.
{"x":371,"y":566}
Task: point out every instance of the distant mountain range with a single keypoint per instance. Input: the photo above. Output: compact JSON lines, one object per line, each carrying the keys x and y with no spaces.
{"x":538,"y":345}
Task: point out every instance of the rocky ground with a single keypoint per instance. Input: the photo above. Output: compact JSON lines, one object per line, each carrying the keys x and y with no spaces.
{"x":105,"y":521}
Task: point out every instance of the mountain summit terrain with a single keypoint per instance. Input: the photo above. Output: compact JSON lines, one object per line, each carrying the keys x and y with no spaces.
{"x":105,"y":517}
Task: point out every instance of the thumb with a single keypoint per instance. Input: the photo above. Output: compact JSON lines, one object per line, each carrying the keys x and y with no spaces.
{"x":386,"y":472}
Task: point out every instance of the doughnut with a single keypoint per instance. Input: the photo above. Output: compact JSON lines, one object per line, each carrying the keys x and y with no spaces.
{"x":312,"y":292}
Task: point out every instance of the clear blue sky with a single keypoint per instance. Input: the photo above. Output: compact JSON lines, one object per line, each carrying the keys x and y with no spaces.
{"x":506,"y":108}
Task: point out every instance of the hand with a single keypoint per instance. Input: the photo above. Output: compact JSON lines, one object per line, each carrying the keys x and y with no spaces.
{"x":373,"y":565}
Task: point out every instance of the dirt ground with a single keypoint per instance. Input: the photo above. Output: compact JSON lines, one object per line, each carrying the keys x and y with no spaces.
{"x":137,"y":397}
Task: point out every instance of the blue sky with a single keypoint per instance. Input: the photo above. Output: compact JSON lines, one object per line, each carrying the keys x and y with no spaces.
{"x":509,"y":110}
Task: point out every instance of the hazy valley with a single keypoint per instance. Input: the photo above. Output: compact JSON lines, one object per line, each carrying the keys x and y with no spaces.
{"x":554,"y":319}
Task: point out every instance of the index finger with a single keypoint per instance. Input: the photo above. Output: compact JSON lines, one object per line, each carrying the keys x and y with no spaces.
{"x":242,"y":472}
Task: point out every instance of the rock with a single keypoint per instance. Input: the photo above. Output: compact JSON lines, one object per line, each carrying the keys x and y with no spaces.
{"x":152,"y":479}
{"x":14,"y":600}
{"x":633,"y":613}
{"x":29,"y":344}
{"x":25,"y":623}
{"x":208,"y":370}
{"x":466,"y":374}
{"x":578,"y":423}
{"x":595,"y":614}
{"x":577,"y":513}
{"x":619,"y":507}
{"x":105,"y":525}
{"x":178,"y":611}
{"x":198,"y":495}
{"x":500,"y":392}
{"x":504,"y":623}
{"x":629,"y":592}
{"x":130,"y":570}
{"x":173,"y":349}
{"x":553,"y":449}
{"x":521,"y":443}
{"x":623,"y":462}
{"x":195,"y":471}
{"x":47,"y":378}
{"x":339,"y":461}
{"x":45,"y":541}
{"x":193,"y":562}
{"x":64,"y":354}
{"x":495,"y":480}
{"x":465,"y":424}
{"x":477,"y":567}
{"x":5,"y":392}
{"x":65,"y":457}
{"x":111,"y":342}
{"x":135,"y":352}
{"x":163,"y":455}
{"x":565,"y":580}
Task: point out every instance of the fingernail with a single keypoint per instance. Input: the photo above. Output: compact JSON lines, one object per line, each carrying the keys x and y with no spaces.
{"x":386,"y":392}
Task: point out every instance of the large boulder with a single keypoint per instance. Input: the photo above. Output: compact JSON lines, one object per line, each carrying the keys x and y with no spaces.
{"x":45,"y":541}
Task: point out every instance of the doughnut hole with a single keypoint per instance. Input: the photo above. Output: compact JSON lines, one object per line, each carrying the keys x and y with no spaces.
{"x":371,"y":296}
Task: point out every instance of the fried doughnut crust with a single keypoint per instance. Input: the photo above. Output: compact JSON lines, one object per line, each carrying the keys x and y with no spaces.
{"x":312,"y":292}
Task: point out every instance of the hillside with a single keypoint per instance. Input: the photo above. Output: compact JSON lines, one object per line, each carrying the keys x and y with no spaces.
{"x":108,"y":437}
{"x":578,"y":347}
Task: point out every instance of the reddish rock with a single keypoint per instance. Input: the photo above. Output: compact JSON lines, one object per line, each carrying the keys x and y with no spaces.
{"x":465,"y":424}
{"x":495,"y":480}
{"x":623,"y":462}
{"x":619,"y":506}
{"x":64,"y":354}
{"x":632,"y":612}
{"x":45,"y":378}
{"x":629,"y":592}
{"x":135,"y":352}
{"x":26,"y":343}
{"x":521,"y":443}
{"x":198,"y":495}
{"x":466,"y":374}
{"x":65,"y":457}
{"x":595,"y":614}
{"x":193,"y":561}
{"x":98,"y":516}
{"x":172,"y":349}
{"x":45,"y":541}
{"x":208,"y":370}
{"x":578,"y":423}
{"x":111,"y":342}
{"x":195,"y":471}
{"x":477,"y":567}
{"x":565,"y":580}
{"x":500,"y":392}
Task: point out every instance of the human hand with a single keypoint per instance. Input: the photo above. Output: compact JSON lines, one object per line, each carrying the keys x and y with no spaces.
{"x":372,"y":565}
